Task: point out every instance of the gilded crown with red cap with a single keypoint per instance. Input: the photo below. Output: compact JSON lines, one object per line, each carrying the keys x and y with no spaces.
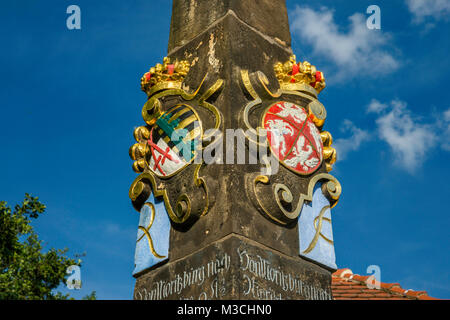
{"x":165,"y":76}
{"x":297,"y":76}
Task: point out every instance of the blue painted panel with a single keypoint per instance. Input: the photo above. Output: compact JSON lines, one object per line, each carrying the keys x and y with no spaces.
{"x":153,"y":235}
{"x":315,"y":230}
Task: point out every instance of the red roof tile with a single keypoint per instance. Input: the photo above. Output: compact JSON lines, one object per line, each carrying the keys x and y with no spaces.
{"x":348,"y":286}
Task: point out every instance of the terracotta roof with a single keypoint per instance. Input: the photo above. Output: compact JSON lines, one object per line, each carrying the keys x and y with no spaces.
{"x":348,"y":286}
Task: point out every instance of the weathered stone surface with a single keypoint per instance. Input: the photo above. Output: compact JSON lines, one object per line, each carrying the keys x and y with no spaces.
{"x":192,"y":17}
{"x":235,"y":268}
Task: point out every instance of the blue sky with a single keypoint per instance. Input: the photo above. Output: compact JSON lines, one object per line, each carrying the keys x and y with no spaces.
{"x":71,"y":98}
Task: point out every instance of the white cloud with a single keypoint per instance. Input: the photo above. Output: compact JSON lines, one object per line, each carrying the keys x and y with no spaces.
{"x":409,"y":140}
{"x":376,"y":106}
{"x":422,"y":9}
{"x":358,"y":51}
{"x":447,"y":115}
{"x":345,"y":145}
{"x":445,"y":127}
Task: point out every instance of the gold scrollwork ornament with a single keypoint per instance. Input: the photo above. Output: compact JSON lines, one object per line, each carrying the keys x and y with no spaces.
{"x":150,"y":154}
{"x":305,"y":82}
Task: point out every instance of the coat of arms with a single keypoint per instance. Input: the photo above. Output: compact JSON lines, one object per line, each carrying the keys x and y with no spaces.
{"x":293,"y":137}
{"x":167,"y":145}
{"x":292,"y":119}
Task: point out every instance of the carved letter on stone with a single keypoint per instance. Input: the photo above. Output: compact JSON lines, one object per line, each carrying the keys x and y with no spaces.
{"x":152,"y":245}
{"x":315,"y":231}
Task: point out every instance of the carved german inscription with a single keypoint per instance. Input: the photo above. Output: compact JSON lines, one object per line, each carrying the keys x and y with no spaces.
{"x":220,"y":272}
{"x":259,"y":271}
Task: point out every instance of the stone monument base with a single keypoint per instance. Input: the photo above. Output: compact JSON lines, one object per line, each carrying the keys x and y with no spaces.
{"x":235,"y":268}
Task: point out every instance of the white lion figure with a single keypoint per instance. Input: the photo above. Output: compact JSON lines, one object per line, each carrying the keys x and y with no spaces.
{"x":278,"y":128}
{"x":301,"y":156}
{"x":288,"y":109}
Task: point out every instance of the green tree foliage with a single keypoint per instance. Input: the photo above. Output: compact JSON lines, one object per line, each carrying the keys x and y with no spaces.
{"x":26,"y":272}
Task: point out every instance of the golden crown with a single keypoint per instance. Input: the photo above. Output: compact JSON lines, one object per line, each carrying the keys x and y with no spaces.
{"x":167,"y":75}
{"x":294,"y":76}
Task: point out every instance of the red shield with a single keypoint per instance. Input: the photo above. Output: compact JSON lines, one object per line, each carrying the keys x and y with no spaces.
{"x":293,"y":137}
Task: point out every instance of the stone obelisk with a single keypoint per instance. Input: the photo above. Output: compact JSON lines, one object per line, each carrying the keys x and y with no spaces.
{"x":258,"y":228}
